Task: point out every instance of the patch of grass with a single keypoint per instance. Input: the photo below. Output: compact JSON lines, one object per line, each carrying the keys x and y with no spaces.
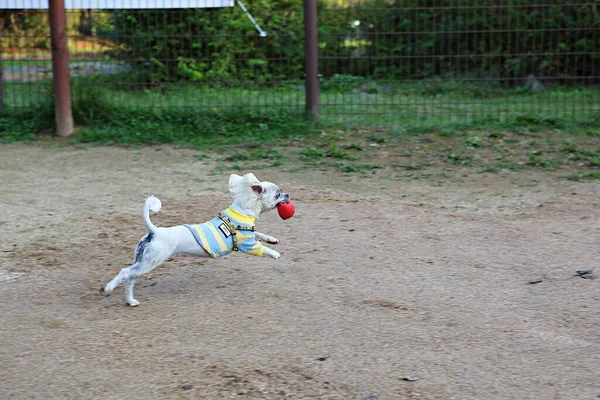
{"x":379,"y":139}
{"x":340,"y":83}
{"x":355,"y":146}
{"x":254,"y":155}
{"x":337,"y":152}
{"x":537,"y":159}
{"x":18,"y":127}
{"x":199,"y":115}
{"x":581,"y":176}
{"x":244,"y":159}
{"x":196,"y":130}
{"x":459,"y":158}
{"x":494,"y":169}
{"x":474,"y":141}
{"x":106,"y":121}
{"x":311,"y":153}
{"x":334,"y":151}
{"x":357,"y":167}
{"x":496,"y":135}
{"x":576,"y":152}
{"x":238,"y":166}
{"x":410,"y":167}
{"x":23,"y":124}
{"x":526,"y":132}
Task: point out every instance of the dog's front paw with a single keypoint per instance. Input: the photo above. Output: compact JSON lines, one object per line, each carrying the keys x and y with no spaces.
{"x":275,"y":254}
{"x":104,"y":292}
{"x":272,"y":240}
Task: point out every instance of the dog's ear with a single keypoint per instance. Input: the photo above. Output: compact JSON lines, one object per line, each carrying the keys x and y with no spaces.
{"x":234,"y":181}
{"x":258,"y":189}
{"x":251,"y":180}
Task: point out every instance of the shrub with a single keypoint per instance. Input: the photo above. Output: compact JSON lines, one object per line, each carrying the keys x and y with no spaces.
{"x":209,"y":45}
{"x":385,"y":39}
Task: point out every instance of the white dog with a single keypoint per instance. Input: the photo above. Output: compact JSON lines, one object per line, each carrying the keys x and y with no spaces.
{"x":231,"y":230}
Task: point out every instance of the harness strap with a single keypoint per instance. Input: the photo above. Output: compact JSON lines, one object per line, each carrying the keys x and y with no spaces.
{"x":233,"y":229}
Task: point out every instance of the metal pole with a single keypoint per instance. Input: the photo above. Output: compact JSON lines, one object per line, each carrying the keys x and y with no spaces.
{"x":60,"y":67}
{"x":311,"y":54}
{"x":1,"y":76}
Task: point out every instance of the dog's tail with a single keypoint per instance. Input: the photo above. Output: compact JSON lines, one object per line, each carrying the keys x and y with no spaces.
{"x":152,"y":204}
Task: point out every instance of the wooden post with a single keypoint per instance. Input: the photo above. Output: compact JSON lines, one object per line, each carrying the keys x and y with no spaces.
{"x":311,"y":55}
{"x":60,"y":67}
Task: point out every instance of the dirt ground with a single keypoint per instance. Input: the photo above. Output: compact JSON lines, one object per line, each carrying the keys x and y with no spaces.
{"x":380,"y":282}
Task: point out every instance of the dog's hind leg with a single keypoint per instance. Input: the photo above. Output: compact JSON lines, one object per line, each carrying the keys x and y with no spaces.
{"x":110,"y":286}
{"x":144,"y":260}
{"x":129,"y":283}
{"x":146,"y":264}
{"x":129,"y":275}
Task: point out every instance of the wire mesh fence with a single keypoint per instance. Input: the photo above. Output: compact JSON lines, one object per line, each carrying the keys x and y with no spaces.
{"x":382,"y":62}
{"x":460,"y":59}
{"x":162,"y":59}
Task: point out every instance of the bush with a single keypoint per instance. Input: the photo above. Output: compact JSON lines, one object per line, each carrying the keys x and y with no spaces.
{"x":208,"y":45}
{"x":414,"y":39}
{"x":385,"y":39}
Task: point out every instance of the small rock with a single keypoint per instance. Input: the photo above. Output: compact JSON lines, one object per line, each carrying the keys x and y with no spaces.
{"x":187,"y":387}
{"x":411,"y":378}
{"x":534,"y":85}
{"x":534,"y":281}
{"x":586,"y":274}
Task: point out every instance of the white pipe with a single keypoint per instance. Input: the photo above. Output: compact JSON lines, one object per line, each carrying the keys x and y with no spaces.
{"x":245,"y":10}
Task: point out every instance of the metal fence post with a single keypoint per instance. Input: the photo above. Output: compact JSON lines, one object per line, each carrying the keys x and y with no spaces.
{"x":1,"y":76}
{"x":60,"y":67}
{"x":311,"y":54}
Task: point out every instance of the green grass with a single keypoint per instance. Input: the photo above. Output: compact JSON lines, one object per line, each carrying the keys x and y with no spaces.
{"x":592,"y":175}
{"x":408,"y":108}
{"x":26,"y":63}
{"x":508,"y":129}
{"x":311,"y":153}
{"x":104,"y":119}
{"x":46,"y":63}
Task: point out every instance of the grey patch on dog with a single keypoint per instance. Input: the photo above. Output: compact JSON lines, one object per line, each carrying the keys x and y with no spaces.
{"x":141,"y":246}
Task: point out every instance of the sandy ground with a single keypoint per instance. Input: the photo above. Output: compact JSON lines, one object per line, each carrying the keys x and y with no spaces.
{"x":379,"y":280}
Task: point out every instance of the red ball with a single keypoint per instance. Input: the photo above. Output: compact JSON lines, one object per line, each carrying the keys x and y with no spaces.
{"x":286,"y":210}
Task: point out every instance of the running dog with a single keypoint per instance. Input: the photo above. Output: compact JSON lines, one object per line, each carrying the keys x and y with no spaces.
{"x":231,"y":230}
